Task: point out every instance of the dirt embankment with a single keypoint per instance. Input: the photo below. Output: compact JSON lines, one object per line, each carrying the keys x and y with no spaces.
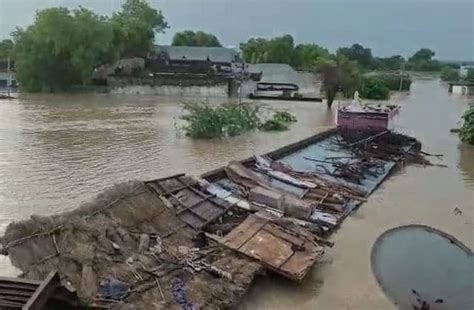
{"x":128,"y":234}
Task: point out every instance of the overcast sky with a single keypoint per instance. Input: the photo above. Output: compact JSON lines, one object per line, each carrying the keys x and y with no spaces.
{"x":387,"y":26}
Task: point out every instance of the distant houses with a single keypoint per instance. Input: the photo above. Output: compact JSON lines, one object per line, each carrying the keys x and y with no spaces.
{"x":197,"y":60}
{"x":7,"y":75}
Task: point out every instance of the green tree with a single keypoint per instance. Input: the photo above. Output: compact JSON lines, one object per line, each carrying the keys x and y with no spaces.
{"x":388,"y":63}
{"x":470,"y":74}
{"x":423,"y":60}
{"x":449,"y":74}
{"x":422,"y":54}
{"x":135,"y":28}
{"x":358,"y":53}
{"x":62,"y":47}
{"x":199,"y":38}
{"x":339,"y":75}
{"x":373,"y":88}
{"x":308,"y":56}
{"x":276,"y":50}
{"x":254,"y":50}
{"x":6,"y":49}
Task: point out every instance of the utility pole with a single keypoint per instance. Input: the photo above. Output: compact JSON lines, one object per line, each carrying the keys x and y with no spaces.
{"x":402,"y":72}
{"x":9,"y":81}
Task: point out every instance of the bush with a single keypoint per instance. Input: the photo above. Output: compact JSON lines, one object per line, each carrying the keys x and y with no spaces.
{"x":373,"y":88}
{"x":273,"y":125}
{"x":284,"y":117}
{"x":467,"y":130}
{"x":449,"y":74}
{"x":205,"y":122}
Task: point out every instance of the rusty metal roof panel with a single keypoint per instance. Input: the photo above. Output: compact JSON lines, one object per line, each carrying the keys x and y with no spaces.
{"x":277,"y":248}
{"x":192,"y":206}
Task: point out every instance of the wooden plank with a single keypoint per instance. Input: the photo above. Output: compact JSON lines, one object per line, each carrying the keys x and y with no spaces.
{"x":43,"y":292}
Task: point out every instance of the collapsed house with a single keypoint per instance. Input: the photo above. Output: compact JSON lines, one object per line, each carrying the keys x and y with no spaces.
{"x":183,"y":242}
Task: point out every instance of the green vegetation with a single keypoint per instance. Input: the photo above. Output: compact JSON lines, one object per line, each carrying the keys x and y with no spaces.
{"x":63,"y":46}
{"x":467,"y":130}
{"x":273,"y":125}
{"x":339,"y":75}
{"x":6,"y":49}
{"x":283,"y":50}
{"x":423,"y":61}
{"x":206,"y":122}
{"x":199,"y":38}
{"x":373,"y":88}
{"x":135,"y":27}
{"x":284,"y":117}
{"x":449,"y":74}
{"x":470,"y":75}
{"x":392,"y":80}
{"x":279,"y":122}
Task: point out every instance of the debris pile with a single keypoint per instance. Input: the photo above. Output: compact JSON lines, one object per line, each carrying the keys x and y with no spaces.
{"x":129,"y":248}
{"x":186,"y":243}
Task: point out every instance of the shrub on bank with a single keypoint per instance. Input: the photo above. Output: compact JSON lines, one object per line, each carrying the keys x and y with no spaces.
{"x":467,"y":130}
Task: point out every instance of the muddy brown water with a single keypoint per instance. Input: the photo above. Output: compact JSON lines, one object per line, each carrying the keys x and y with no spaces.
{"x":58,"y":150}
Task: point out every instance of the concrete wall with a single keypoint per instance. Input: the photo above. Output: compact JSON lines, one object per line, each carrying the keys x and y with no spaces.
{"x":220,"y":90}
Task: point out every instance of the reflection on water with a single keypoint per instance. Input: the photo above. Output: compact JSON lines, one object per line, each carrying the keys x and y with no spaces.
{"x":444,"y":268}
{"x":59,"y":150}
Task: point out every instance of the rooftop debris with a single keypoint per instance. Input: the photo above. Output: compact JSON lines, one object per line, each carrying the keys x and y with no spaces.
{"x":176,"y":242}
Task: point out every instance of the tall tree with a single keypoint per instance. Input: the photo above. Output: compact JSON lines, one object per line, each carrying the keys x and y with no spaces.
{"x":339,"y":75}
{"x":62,"y":47}
{"x":422,"y":54}
{"x":6,"y":49}
{"x":199,"y":38}
{"x":135,"y":28}
{"x":357,"y":53}
{"x":276,"y":50}
{"x":308,"y":56}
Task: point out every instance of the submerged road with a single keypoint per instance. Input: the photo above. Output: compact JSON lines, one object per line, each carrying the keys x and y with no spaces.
{"x":57,"y":151}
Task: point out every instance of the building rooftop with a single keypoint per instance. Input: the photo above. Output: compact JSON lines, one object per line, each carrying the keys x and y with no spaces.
{"x":215,"y":54}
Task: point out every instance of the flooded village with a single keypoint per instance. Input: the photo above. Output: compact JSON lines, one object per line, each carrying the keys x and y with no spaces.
{"x":112,"y":198}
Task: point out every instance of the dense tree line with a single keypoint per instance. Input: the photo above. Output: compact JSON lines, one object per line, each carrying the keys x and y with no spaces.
{"x":62,"y":47}
{"x":198,"y":38}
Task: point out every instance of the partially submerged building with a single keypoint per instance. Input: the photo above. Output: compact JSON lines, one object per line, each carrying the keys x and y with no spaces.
{"x":196,"y":60}
{"x":176,"y":70}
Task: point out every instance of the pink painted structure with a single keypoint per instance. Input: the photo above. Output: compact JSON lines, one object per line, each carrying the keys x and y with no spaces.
{"x":367,"y":119}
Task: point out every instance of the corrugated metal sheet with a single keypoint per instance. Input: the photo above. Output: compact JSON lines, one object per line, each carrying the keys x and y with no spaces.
{"x":278,"y":249}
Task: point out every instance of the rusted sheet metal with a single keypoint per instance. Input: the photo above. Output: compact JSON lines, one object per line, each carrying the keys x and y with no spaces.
{"x":192,"y":206}
{"x":45,"y":291}
{"x":26,"y":294}
{"x":278,"y":249}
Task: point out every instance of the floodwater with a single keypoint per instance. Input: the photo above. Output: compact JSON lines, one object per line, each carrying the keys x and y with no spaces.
{"x":59,"y":150}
